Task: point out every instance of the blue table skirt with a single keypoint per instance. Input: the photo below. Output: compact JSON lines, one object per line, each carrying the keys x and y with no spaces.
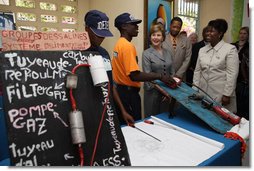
{"x":5,"y":162}
{"x":4,"y":153}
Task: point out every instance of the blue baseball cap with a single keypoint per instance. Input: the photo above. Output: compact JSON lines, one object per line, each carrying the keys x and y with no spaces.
{"x":124,"y":19}
{"x":98,"y":22}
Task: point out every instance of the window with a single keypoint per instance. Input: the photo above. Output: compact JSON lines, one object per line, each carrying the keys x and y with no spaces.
{"x":47,"y":6}
{"x":4,"y":2}
{"x":43,"y":15}
{"x":48,"y":29}
{"x":69,"y":30}
{"x":68,"y":20}
{"x":188,"y":10}
{"x":26,"y":16}
{"x":25,"y":3}
{"x":7,"y":21}
{"x":68,"y":9}
{"x":48,"y":18}
{"x":27,"y":28}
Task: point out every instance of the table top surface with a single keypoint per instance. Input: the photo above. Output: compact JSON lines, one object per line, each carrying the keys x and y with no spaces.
{"x":190,"y":122}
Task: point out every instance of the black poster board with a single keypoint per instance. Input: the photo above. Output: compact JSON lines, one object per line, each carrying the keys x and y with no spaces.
{"x":36,"y":106}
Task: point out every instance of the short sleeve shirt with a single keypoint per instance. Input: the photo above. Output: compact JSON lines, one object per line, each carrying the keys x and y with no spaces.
{"x":124,"y":62}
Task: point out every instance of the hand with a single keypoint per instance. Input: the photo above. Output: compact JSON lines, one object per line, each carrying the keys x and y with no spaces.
{"x":178,"y":77}
{"x":127,"y":118}
{"x":164,"y":98}
{"x":225,"y":100}
{"x":167,"y":79}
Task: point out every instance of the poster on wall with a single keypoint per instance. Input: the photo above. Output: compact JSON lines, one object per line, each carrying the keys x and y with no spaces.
{"x":7,"y":22}
{"x":157,"y":11}
{"x":246,"y":14}
{"x":44,"y":41}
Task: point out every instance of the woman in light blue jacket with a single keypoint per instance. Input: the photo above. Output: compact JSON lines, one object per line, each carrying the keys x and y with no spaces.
{"x":158,"y":60}
{"x":217,"y":66}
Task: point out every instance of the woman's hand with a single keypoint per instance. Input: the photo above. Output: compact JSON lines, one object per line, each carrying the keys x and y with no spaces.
{"x":225,"y":100}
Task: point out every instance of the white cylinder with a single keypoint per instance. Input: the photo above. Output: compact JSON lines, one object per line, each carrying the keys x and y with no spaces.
{"x":97,"y":69}
{"x":77,"y":127}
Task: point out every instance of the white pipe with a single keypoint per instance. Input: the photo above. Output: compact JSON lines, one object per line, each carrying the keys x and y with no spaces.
{"x":97,"y":69}
{"x":186,"y":132}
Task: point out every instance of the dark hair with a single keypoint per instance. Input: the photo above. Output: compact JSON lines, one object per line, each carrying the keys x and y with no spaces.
{"x":245,"y":28}
{"x":157,"y":27}
{"x":176,"y":19}
{"x":220,"y":25}
{"x":183,"y":32}
{"x":204,"y":31}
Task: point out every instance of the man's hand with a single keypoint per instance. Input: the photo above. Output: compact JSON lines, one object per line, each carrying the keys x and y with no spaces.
{"x":167,"y":79}
{"x":127,"y":117}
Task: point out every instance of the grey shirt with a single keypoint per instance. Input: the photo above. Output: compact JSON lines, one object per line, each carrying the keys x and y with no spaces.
{"x":153,"y":61}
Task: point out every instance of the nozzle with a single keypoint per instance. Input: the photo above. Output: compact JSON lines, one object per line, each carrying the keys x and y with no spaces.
{"x":131,"y":125}
{"x":149,"y":122}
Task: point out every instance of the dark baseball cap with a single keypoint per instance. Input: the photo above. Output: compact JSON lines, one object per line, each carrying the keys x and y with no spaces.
{"x":98,"y":22}
{"x":124,"y":19}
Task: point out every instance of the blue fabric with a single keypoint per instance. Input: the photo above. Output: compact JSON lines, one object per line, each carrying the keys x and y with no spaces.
{"x":212,"y":119}
{"x":4,"y":153}
{"x":229,"y":156}
{"x":5,"y":162}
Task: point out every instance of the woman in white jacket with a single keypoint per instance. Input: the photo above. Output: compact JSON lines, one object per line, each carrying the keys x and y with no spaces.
{"x":217,"y":66}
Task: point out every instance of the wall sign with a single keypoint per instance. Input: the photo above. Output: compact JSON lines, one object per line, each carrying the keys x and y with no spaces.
{"x":39,"y":41}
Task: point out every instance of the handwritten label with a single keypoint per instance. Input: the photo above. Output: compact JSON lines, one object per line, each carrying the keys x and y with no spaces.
{"x":38,"y":41}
